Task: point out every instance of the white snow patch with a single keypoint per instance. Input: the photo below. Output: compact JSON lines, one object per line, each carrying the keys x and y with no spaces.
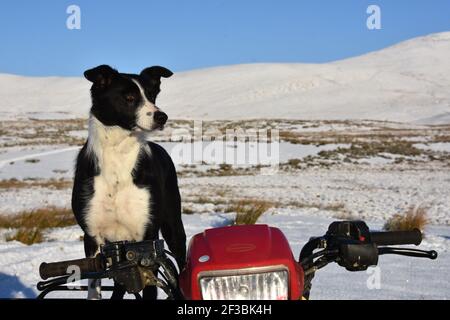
{"x":437,"y":146}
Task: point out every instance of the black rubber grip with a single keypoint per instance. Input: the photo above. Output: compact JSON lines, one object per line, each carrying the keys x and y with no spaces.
{"x":396,"y":237}
{"x":56,"y":269}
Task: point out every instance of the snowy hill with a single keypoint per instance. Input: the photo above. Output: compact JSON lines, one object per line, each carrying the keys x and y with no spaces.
{"x":408,"y":82}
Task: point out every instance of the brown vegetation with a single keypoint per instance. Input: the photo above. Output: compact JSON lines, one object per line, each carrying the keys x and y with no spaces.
{"x":30,"y":225}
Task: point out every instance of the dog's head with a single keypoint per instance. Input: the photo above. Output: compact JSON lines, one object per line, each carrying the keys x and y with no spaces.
{"x":127,"y":100}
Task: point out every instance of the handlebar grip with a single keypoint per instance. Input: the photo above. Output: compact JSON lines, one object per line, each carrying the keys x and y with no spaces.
{"x":396,"y":237}
{"x":55,"y":269}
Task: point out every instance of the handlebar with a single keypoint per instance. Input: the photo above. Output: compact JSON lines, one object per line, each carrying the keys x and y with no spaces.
{"x":56,"y":269}
{"x":134,"y":265}
{"x":396,"y":237}
{"x":353,"y":246}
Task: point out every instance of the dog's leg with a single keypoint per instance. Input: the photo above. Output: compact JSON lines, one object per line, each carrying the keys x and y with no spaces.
{"x":94,"y":285}
{"x":150,"y":293}
{"x":94,"y":289}
{"x":175,"y":237}
{"x":118,"y":292}
{"x":172,"y":228}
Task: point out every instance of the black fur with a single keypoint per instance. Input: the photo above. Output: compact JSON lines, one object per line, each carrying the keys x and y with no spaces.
{"x":156,"y":173}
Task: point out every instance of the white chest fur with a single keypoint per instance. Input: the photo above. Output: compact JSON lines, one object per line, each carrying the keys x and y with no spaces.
{"x":119,"y":210}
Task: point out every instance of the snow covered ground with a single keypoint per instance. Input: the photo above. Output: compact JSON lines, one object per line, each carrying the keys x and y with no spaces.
{"x":327,"y":171}
{"x":307,"y":200}
{"x":401,"y":277}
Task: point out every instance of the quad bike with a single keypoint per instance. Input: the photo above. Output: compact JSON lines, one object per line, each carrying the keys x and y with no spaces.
{"x":237,"y":262}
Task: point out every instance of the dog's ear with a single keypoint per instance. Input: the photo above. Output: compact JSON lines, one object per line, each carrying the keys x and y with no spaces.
{"x":151,"y":79}
{"x":100,"y":76}
{"x":156,"y":72}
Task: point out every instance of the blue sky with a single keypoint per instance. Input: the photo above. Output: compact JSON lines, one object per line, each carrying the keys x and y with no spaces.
{"x":184,"y":35}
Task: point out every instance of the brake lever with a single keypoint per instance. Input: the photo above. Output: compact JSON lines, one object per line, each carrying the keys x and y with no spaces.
{"x":43,"y":285}
{"x":432,"y":254}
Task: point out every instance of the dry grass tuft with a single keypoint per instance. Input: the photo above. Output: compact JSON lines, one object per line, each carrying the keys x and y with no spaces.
{"x":42,"y":218}
{"x":413,"y":218}
{"x":29,"y":183}
{"x":248,"y":211}
{"x":27,"y":236}
{"x":345,"y":215}
{"x":31,"y":224}
{"x":187,"y":210}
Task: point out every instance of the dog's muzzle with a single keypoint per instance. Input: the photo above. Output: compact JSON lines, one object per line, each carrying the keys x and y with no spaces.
{"x":159,"y":120}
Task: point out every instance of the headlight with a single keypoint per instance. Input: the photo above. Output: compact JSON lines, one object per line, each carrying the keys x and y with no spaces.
{"x":257,"y":286}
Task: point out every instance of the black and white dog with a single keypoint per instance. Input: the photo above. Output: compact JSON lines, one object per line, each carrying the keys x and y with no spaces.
{"x":125,"y":187}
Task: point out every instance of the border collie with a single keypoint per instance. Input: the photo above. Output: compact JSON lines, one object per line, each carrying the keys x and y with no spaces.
{"x":126,"y":187}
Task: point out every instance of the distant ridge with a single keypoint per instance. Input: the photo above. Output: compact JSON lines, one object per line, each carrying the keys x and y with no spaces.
{"x":407,"y":82}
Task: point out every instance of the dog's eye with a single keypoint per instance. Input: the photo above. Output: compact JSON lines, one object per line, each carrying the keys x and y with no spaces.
{"x":130,"y":98}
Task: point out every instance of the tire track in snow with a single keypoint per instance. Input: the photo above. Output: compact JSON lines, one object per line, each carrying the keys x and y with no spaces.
{"x":37,"y":155}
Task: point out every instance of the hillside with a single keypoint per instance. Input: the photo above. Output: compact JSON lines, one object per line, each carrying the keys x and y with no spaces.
{"x":408,"y":82}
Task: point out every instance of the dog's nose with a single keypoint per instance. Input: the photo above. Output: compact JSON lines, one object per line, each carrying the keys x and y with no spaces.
{"x":160,"y":117}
